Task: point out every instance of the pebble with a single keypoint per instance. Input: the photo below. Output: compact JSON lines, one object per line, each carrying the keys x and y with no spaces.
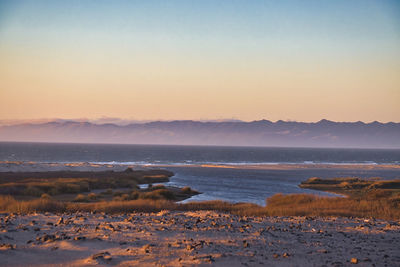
{"x":354,"y":260}
{"x":102,"y":256}
{"x":7,"y":246}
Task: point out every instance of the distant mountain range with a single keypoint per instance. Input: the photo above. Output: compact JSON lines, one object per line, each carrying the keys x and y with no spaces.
{"x":225,"y":133}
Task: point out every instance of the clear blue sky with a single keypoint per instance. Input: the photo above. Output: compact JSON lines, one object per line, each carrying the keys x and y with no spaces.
{"x":241,"y":59}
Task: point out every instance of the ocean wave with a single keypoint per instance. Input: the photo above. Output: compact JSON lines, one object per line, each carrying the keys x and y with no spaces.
{"x":191,"y":163}
{"x":199,"y":163}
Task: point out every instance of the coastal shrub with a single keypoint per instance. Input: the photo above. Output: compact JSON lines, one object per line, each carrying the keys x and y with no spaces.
{"x":134,"y":195}
{"x":159,"y":186}
{"x":395,"y":200}
{"x":117,"y":198}
{"x":109,"y":191}
{"x":40,"y":205}
{"x":9,"y":204}
{"x":33,"y":191}
{"x":386,"y":184}
{"x":278,"y":205}
{"x":301,"y":205}
{"x":158,"y":194}
{"x":92,"y":196}
{"x":81,"y":198}
{"x":117,"y":194}
{"x":45,"y":196}
{"x":345,"y":184}
{"x":73,"y":182}
{"x":314,"y":180}
{"x":166,"y":194}
{"x":289,"y":200}
{"x":12,"y":189}
{"x":186,"y":190}
{"x":125,"y":197}
{"x":128,"y":170}
{"x":70,"y":188}
{"x":6,"y":202}
{"x":378,"y":193}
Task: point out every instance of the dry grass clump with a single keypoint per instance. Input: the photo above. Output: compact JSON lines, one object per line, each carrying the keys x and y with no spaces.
{"x":81,"y":198}
{"x":117,"y":194}
{"x":186,"y":190}
{"x":54,"y":186}
{"x":367,"y":198}
{"x":109,"y":191}
{"x":354,"y":187}
{"x":72,"y":182}
{"x":159,"y":186}
{"x":310,"y":205}
{"x":158,"y":194}
{"x":92,"y":196}
{"x":45,"y":196}
{"x":140,"y":205}
{"x":9,"y":204}
{"x":277,"y":205}
{"x":247,"y":209}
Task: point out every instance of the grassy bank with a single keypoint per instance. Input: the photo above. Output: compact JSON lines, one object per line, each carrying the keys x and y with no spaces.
{"x":277,"y":205}
{"x":34,"y":184}
{"x":355,"y":188}
{"x":366,"y":198}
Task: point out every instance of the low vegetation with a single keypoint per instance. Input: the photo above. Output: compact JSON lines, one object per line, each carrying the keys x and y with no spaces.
{"x":311,"y":205}
{"x":377,"y":200}
{"x":354,"y":187}
{"x":35,"y":184}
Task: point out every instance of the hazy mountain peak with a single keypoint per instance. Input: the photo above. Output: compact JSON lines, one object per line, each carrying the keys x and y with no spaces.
{"x":324,"y":133}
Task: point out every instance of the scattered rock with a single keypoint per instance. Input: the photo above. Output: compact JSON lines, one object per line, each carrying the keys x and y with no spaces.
{"x":207,"y":258}
{"x":102,"y":256}
{"x":79,"y":238}
{"x":354,"y":260}
{"x":146,"y":248}
{"x":7,"y":246}
{"x":46,"y":238}
{"x":60,"y":221}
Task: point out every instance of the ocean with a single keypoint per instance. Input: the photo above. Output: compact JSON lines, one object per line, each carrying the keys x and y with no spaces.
{"x":237,"y":184}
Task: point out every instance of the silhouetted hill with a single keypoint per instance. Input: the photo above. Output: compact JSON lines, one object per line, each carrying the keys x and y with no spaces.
{"x":231,"y":133}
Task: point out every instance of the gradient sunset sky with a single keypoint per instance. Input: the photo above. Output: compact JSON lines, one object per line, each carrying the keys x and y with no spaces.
{"x":249,"y":60}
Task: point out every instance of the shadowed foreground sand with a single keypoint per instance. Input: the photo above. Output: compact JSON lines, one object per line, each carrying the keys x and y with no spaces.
{"x":202,"y":238}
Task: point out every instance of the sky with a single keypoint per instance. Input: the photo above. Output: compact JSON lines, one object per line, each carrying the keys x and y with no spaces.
{"x":173,"y":60}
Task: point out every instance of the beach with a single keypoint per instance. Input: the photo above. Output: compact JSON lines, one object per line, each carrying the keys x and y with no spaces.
{"x":194,"y":237}
{"x":203,"y":238}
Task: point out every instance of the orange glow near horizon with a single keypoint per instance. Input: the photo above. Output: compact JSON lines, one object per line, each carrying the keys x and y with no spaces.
{"x":162,"y":74}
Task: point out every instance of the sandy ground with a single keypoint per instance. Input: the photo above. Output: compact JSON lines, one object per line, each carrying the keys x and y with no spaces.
{"x":193,"y":238}
{"x":203,"y":238}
